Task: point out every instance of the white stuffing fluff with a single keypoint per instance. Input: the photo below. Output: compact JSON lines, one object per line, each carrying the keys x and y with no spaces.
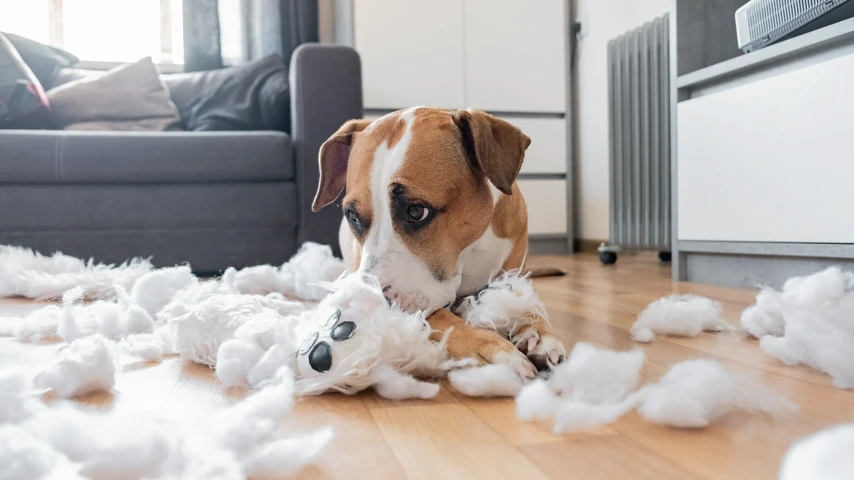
{"x":391,"y":384}
{"x":301,"y":276}
{"x":37,"y":326}
{"x":25,"y":457}
{"x":68,"y":442}
{"x":811,"y":322}
{"x":825,"y":455}
{"x":155,"y":290}
{"x":505,"y":305}
{"x":486,"y":381}
{"x":312,"y":265}
{"x":26,"y":273}
{"x":593,"y":387}
{"x":597,"y":386}
{"x":17,"y":399}
{"x":87,"y":365}
{"x":679,"y":315}
{"x":696,"y":392}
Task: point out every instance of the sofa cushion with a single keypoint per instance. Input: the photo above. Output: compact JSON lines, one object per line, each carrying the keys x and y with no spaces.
{"x":144,"y":157}
{"x":23,"y":103}
{"x":129,"y":97}
{"x":45,"y":61}
{"x":253,"y":96}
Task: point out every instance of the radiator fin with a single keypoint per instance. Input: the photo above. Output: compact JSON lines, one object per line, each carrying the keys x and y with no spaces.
{"x":639,"y":112}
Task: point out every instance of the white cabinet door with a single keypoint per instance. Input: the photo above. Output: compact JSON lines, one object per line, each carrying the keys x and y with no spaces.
{"x":770,"y":161}
{"x":411,"y":52}
{"x":547,"y":153}
{"x":515,"y":55}
{"x":546,"y":200}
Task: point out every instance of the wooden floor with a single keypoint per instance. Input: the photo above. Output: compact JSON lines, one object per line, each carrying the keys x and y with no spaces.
{"x":454,"y":437}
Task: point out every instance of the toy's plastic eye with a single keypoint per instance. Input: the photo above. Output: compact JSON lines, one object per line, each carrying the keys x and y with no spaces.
{"x":320,"y":357}
{"x":308,"y":343}
{"x":332,"y":320}
{"x":343,"y":331}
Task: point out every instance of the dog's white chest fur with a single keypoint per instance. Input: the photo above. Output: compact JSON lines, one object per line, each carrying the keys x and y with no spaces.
{"x":482,"y":260}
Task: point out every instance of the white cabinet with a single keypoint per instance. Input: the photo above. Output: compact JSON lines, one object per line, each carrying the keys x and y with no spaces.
{"x":515,"y":55}
{"x":547,"y":206}
{"x":410,"y":52}
{"x":770,"y":160}
{"x":547,"y":152}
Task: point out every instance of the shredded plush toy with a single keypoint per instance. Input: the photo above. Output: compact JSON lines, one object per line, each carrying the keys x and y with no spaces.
{"x":811,"y":322}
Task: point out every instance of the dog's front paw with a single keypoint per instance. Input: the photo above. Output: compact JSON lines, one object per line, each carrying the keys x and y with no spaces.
{"x":543,"y":349}
{"x":489,"y":347}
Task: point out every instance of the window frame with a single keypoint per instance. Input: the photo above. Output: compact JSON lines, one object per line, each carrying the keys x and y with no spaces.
{"x":56,"y":38}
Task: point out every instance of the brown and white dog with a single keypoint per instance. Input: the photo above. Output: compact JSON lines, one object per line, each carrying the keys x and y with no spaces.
{"x":432,"y":210}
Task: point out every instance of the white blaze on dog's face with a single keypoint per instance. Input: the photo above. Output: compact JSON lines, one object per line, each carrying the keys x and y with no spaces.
{"x":420,"y":188}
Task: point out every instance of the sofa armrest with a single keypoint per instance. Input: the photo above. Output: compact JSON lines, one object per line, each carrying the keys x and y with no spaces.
{"x":326,"y":91}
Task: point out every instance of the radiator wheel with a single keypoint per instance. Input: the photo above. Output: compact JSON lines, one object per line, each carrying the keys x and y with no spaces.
{"x":664,"y":256}
{"x":608,"y":258}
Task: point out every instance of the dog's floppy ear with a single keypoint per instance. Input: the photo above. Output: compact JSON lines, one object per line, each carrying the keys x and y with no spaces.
{"x":493,"y":147}
{"x":333,"y":157}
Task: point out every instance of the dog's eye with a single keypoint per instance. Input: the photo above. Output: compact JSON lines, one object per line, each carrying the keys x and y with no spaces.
{"x":417,"y":213}
{"x":352,"y":216}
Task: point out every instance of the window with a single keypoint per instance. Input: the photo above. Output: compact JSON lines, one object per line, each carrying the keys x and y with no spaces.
{"x":108,"y":31}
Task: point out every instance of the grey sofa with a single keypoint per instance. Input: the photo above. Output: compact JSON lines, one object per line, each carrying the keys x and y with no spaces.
{"x":213,"y":199}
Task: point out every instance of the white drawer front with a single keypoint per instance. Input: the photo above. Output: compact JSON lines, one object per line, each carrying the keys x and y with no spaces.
{"x":546,"y":200}
{"x":770,"y":161}
{"x":547,"y":153}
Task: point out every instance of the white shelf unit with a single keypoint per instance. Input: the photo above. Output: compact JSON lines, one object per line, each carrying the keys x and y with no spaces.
{"x":507,"y":57}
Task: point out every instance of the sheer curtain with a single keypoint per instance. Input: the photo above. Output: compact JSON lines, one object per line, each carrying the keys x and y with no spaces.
{"x":230,"y":32}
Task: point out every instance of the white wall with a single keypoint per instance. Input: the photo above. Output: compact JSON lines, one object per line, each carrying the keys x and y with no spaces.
{"x":603,"y":20}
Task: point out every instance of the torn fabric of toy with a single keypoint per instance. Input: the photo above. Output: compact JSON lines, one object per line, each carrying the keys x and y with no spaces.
{"x":809,"y":322}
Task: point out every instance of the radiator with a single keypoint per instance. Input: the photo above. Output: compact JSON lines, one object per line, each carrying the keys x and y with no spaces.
{"x":639,"y":113}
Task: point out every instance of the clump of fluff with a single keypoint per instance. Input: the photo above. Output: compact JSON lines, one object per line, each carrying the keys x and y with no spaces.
{"x":38,"y":325}
{"x":825,"y":455}
{"x":809,"y":322}
{"x":29,"y":274}
{"x":66,"y":441}
{"x":487,"y":381}
{"x":300,"y":277}
{"x":505,"y":305}
{"x":87,"y":365}
{"x":391,"y":384}
{"x":597,"y":386}
{"x":155,"y":289}
{"x":17,"y":399}
{"x":593,"y":387}
{"x":695,"y":393}
{"x":313,"y":265}
{"x":25,"y":457}
{"x":679,"y":315}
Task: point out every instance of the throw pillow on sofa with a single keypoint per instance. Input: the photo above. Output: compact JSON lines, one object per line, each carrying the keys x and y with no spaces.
{"x":23,"y":103}
{"x":129,"y":97}
{"x":253,"y":96}
{"x":42,"y":59}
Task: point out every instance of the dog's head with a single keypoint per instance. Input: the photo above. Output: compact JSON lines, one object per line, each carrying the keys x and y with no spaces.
{"x":421,"y":186}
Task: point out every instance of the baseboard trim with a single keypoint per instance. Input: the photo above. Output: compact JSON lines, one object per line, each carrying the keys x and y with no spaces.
{"x":584,"y":245}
